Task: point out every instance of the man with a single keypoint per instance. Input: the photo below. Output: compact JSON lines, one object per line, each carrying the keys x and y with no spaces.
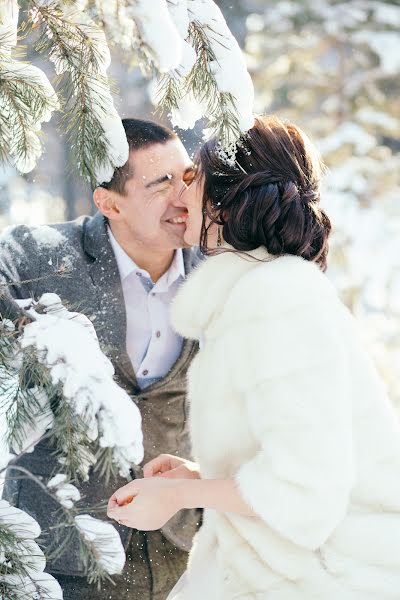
{"x":122,"y":267}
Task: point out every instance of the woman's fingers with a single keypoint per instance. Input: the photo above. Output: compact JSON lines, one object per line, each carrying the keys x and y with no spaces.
{"x":174,"y":467}
{"x":112,"y":503}
{"x":126,"y":500}
{"x":118,"y":514}
{"x":182,"y":472}
{"x":123,"y":496}
{"x":160,"y":464}
{"x":177,"y":473}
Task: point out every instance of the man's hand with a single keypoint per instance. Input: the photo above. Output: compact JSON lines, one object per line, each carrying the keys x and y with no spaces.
{"x":145,"y":504}
{"x":173,"y":467}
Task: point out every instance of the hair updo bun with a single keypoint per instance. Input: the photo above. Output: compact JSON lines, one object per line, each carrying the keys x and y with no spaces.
{"x":270,"y":196}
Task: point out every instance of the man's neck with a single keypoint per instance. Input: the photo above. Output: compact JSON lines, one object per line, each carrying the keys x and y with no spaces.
{"x":155,"y":261}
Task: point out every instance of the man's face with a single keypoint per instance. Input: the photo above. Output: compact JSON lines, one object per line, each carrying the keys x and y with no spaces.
{"x":151,"y":209}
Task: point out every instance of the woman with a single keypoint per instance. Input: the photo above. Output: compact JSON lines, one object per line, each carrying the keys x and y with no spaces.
{"x":297,"y":447}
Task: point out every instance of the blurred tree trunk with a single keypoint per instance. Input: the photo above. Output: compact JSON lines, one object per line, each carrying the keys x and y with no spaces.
{"x":68,"y":187}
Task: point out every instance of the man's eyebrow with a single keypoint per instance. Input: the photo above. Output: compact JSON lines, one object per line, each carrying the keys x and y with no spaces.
{"x":167,"y":177}
{"x":162,"y":179}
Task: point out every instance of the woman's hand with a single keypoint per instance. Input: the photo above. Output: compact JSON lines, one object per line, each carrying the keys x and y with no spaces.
{"x":173,"y":467}
{"x":145,"y":504}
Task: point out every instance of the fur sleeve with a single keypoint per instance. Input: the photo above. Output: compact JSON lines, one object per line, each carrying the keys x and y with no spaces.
{"x":294,"y":379}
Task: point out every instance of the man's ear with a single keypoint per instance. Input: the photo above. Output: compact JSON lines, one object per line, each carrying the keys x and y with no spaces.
{"x":106,"y":203}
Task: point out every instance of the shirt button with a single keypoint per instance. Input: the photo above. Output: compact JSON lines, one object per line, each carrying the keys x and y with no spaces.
{"x":153,"y":293}
{"x":145,"y":372}
{"x":158,"y":334}
{"x":138,"y":274}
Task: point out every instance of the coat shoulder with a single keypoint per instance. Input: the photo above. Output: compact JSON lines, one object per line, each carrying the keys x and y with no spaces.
{"x":24,"y":238}
{"x":282,"y":319}
{"x":279,"y":286}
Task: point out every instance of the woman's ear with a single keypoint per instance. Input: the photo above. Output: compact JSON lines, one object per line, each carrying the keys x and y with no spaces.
{"x":105,"y":201}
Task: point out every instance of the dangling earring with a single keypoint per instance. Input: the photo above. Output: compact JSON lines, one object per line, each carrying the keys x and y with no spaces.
{"x":219,"y":237}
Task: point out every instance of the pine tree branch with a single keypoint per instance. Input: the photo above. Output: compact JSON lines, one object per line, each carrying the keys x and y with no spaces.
{"x":83,"y":129}
{"x":79,"y":52}
{"x":170,"y":91}
{"x":66,"y":38}
{"x":220,"y":106}
{"x":69,"y":436}
{"x":66,"y":525}
{"x":105,"y":465}
{"x":16,"y":552}
{"x":65,"y":533}
{"x":26,"y":98}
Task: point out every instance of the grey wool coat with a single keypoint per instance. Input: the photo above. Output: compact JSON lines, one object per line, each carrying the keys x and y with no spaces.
{"x":75,"y":261}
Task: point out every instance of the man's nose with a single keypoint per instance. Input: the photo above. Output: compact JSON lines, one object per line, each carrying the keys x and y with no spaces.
{"x":178,"y":195}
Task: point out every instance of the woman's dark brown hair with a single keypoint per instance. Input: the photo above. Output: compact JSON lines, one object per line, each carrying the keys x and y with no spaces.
{"x":269,"y":195}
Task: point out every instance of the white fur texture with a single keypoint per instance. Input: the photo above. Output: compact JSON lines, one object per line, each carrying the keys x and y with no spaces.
{"x":285,"y":400}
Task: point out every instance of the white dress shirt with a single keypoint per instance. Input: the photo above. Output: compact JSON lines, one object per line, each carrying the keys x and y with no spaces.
{"x":152,"y":345}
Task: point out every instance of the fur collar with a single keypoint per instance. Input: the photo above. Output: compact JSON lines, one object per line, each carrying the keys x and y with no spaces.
{"x":205,"y":290}
{"x":236,"y":286}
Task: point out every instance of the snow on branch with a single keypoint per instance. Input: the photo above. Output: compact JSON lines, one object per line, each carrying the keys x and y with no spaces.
{"x":211,"y":82}
{"x":56,"y":383}
{"x":158,"y":32}
{"x":25,"y":413}
{"x":66,"y":493}
{"x":27,"y":99}
{"x":9,"y":24}
{"x":105,"y":542}
{"x":69,"y":349}
{"x":80,"y":54}
{"x":21,"y":560}
{"x":187,"y":43}
{"x":100,"y":548}
{"x":101,"y":552}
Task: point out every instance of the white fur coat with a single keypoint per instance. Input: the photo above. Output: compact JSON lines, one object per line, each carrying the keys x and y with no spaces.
{"x":285,"y":400}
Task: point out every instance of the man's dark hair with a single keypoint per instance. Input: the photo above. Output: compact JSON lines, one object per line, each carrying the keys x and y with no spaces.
{"x":139,"y":134}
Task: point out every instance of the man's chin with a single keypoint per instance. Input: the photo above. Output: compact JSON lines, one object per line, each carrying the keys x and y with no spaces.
{"x":176,"y":239}
{"x":191,"y":240}
{"x":181,"y":239}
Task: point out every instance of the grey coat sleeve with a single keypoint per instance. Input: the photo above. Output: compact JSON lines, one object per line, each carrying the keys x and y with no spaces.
{"x":19,"y":264}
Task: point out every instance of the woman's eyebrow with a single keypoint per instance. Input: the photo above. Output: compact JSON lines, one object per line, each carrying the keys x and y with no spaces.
{"x":162,"y":179}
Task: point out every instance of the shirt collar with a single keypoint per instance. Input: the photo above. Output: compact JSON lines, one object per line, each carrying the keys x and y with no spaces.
{"x":175,"y":272}
{"x":126,"y":265}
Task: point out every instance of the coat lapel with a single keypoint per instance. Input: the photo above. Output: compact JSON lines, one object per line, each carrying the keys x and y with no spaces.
{"x":191,"y":258}
{"x":111,"y":318}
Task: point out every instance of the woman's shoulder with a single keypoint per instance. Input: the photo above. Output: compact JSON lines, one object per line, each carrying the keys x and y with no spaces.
{"x":236,"y":286}
{"x":280,"y":285}
{"x":282,"y":316}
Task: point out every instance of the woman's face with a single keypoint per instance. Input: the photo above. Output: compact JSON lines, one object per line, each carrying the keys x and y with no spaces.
{"x":192,"y":198}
